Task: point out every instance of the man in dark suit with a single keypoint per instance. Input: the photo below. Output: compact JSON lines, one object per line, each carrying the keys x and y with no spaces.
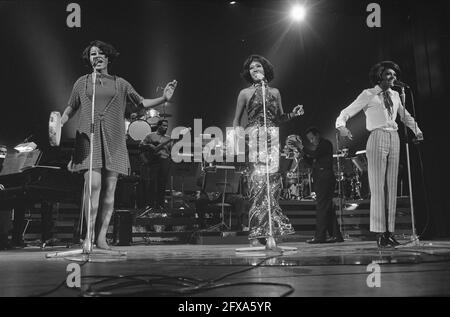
{"x":320,"y":157}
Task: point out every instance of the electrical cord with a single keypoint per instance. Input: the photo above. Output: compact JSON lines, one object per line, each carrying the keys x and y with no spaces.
{"x":186,"y":285}
{"x":55,"y":288}
{"x":196,"y":287}
{"x":157,"y":284}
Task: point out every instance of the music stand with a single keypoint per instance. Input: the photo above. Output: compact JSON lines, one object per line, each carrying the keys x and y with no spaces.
{"x":18,"y":162}
{"x":183,"y":178}
{"x":224,"y":179}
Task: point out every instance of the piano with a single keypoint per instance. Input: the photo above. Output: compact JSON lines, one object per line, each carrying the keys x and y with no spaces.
{"x":36,"y":177}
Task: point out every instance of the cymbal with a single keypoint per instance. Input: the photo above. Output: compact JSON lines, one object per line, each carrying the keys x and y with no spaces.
{"x":165,"y":115}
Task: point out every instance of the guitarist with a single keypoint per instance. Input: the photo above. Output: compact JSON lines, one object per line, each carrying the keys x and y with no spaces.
{"x":155,"y":156}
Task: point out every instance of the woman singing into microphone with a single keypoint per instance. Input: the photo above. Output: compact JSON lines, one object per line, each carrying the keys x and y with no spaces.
{"x":110,"y":155}
{"x":258,"y":72}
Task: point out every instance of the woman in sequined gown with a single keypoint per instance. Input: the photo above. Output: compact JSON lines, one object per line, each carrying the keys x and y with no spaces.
{"x":258,"y":71}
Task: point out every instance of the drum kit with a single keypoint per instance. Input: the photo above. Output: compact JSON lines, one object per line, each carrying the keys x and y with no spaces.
{"x":352,"y":174}
{"x":297,"y":184}
{"x":143,"y":124}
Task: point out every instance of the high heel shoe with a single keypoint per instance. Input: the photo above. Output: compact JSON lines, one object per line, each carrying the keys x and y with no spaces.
{"x":259,"y":242}
{"x":382,"y":242}
{"x":391,"y":240}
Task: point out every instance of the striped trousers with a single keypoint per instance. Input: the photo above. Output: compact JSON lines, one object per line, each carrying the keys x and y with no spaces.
{"x":383,"y":154}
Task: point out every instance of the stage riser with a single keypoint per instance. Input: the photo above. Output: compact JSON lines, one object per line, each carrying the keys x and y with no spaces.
{"x":302,"y":215}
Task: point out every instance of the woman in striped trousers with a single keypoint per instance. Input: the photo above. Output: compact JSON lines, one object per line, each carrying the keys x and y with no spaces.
{"x":381,"y":104}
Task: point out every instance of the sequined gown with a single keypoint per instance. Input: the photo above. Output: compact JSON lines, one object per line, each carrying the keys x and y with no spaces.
{"x":259,"y":210}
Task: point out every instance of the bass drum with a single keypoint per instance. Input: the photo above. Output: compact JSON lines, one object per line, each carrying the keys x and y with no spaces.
{"x":139,"y":129}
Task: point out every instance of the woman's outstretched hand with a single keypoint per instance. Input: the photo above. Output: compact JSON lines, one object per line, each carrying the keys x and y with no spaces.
{"x":298,"y":110}
{"x":169,"y":90}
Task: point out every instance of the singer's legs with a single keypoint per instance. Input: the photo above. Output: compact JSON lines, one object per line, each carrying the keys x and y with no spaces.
{"x":391,"y":180}
{"x":107,"y":206}
{"x":93,"y":201}
{"x":377,"y":153}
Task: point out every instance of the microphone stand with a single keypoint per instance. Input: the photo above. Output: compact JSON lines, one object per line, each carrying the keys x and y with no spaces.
{"x":270,"y":240}
{"x":86,"y":251}
{"x":340,"y":196}
{"x":414,"y":238}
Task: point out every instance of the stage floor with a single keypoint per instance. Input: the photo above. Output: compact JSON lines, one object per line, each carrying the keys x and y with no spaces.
{"x":339,"y":269}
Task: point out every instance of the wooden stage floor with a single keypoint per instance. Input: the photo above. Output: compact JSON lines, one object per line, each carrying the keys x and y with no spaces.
{"x":339,"y":269}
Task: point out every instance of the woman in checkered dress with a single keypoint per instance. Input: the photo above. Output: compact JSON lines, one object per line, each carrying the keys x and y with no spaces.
{"x":110,"y":155}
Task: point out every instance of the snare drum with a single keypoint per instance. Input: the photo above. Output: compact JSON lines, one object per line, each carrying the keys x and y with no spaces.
{"x":139,"y":129}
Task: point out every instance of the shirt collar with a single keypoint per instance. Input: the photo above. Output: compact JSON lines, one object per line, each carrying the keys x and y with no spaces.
{"x":378,"y":90}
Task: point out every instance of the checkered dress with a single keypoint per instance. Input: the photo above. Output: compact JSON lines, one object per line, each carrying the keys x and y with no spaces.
{"x":110,"y":150}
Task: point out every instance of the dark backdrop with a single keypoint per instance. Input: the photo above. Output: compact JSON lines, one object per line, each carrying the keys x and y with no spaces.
{"x":321,"y":63}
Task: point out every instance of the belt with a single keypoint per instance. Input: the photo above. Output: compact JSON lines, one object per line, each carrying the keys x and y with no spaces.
{"x":384,"y":130}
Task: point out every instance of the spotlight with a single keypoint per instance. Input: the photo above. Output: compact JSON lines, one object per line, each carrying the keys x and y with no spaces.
{"x":25,"y":147}
{"x":351,"y":207}
{"x":298,"y":13}
{"x":233,"y":2}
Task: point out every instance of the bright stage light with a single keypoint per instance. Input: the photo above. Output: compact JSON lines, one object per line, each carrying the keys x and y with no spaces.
{"x":26,"y":147}
{"x":298,"y":13}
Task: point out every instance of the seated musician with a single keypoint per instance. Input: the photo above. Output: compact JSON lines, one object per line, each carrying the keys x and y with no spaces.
{"x":155,"y":157}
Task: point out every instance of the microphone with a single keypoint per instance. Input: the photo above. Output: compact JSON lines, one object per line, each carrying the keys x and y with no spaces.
{"x":96,"y":61}
{"x":259,"y":76}
{"x":398,"y":83}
